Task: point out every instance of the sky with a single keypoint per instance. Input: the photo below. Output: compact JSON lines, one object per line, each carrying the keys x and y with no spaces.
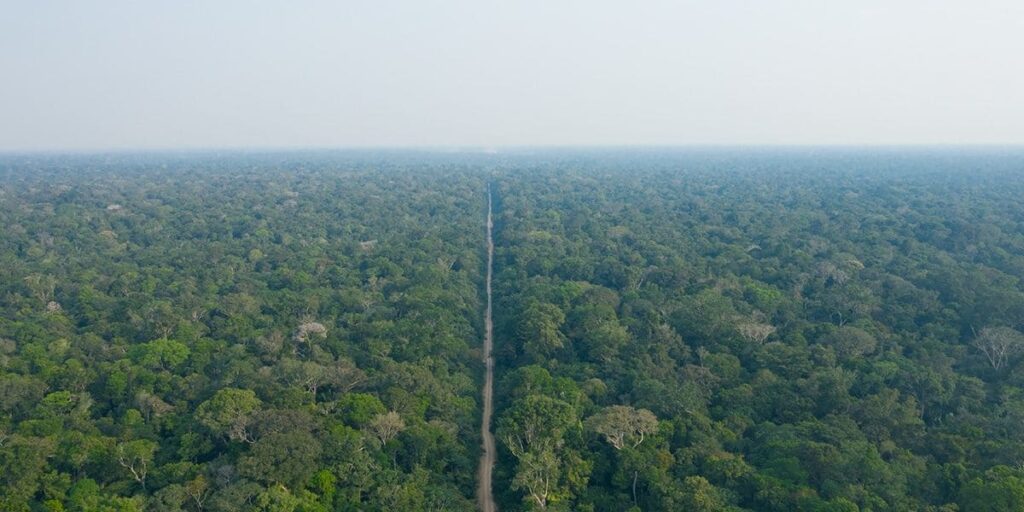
{"x":114,"y":74}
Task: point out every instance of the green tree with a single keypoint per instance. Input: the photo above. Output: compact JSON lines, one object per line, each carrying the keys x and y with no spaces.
{"x":359,"y":409}
{"x":288,"y":458}
{"x":161,"y":354}
{"x":136,"y":457}
{"x":539,"y":331}
{"x":1000,"y":489}
{"x":229,"y":412}
{"x":535,"y":422}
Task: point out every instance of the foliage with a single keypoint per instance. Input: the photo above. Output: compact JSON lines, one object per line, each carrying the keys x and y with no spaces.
{"x":791,"y":329}
{"x":211,"y":332}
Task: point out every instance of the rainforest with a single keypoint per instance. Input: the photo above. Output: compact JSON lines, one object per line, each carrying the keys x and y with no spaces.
{"x":819,"y":329}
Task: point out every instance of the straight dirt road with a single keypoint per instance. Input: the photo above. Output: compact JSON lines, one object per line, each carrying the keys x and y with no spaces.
{"x":484,"y":495}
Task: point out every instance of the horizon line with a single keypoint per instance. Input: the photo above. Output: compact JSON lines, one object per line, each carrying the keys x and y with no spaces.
{"x":491,"y":148}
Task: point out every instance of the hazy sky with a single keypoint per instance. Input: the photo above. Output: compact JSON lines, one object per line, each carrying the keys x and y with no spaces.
{"x":170,"y":74}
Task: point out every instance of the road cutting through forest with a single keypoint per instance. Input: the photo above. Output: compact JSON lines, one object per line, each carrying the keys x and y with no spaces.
{"x":485,"y":497}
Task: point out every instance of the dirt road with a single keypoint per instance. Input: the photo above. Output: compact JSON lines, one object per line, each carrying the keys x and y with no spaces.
{"x":485,"y":497}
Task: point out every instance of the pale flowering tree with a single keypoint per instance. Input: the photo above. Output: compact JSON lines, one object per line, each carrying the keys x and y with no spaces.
{"x":386,"y":427}
{"x":755,"y":332}
{"x":999,"y":344}
{"x":308,"y":330}
{"x":622,"y":425}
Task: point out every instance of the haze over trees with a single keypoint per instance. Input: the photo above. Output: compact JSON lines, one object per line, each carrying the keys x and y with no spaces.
{"x":243,"y":332}
{"x":700,"y":330}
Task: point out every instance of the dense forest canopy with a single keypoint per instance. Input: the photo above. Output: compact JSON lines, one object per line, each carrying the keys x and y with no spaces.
{"x":701,"y":330}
